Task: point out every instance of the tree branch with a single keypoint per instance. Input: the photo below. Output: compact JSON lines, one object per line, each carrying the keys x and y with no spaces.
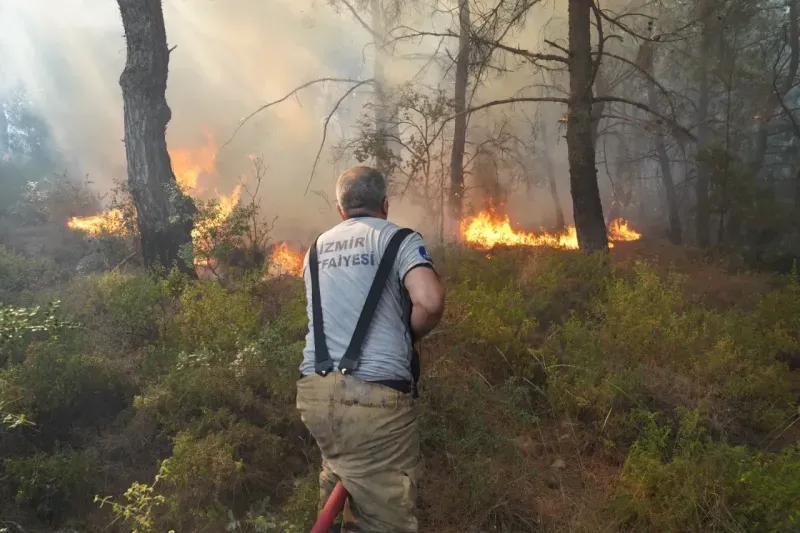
{"x":325,"y":129}
{"x":361,"y":21}
{"x":289,"y":95}
{"x":647,"y":109}
{"x":531,"y":56}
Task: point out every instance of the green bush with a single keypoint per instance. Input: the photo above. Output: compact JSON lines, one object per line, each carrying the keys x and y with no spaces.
{"x":52,"y":485}
{"x":62,"y":393}
{"x":20,"y":276}
{"x":682,"y":481}
{"x":643,"y":348}
{"x":476,"y":474}
{"x":120,"y":312}
{"x":216,"y":319}
{"x":19,"y":327}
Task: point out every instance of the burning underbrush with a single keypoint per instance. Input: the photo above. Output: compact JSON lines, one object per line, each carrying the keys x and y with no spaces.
{"x":488,"y":229}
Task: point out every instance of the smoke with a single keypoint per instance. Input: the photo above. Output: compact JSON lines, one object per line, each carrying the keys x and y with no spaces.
{"x":233,"y":56}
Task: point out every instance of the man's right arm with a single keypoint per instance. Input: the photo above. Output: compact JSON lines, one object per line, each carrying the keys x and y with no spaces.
{"x":427,"y":299}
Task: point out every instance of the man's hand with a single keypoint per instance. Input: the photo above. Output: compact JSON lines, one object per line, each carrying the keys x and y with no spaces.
{"x":427,"y":299}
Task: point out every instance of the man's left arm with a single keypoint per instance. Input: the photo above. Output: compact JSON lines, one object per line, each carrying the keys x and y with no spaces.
{"x":418,"y":275}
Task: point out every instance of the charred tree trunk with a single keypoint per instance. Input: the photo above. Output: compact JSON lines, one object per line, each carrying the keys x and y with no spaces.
{"x":586,"y":206}
{"x":703,"y":207}
{"x":460,"y":104}
{"x":165,"y":215}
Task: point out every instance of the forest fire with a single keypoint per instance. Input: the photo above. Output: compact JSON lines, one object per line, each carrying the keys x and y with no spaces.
{"x":189,"y":164}
{"x":488,"y":229}
{"x":619,"y":230}
{"x":286,"y":261}
{"x":110,"y":221}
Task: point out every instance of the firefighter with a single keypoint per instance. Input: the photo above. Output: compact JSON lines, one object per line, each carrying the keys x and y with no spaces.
{"x":372,"y":290}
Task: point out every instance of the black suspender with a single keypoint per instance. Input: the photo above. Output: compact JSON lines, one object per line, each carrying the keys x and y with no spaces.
{"x":323,"y":363}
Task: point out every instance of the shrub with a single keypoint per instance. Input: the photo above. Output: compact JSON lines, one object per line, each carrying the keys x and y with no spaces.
{"x":20,"y":276}
{"x":681,"y":481}
{"x":644,"y":348}
{"x":120,"y":312}
{"x":63,"y":392}
{"x":475,"y":473}
{"x":216,"y":319}
{"x":52,"y":485}
{"x":21,"y":326}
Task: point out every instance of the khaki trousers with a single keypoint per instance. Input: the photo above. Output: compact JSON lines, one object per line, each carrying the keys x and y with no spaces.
{"x":369,"y":439}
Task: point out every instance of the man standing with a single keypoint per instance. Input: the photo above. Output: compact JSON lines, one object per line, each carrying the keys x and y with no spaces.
{"x":371,"y":290}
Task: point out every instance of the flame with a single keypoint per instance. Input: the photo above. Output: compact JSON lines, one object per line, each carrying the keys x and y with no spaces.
{"x":202,"y":230}
{"x":488,"y":229}
{"x":619,"y":230}
{"x":285,"y":260}
{"x":189,"y":164}
{"x":110,"y":221}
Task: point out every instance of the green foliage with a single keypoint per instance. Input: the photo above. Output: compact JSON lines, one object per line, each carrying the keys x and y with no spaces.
{"x":64,"y":392}
{"x":143,"y":503}
{"x":643,"y":347}
{"x":677,"y":393}
{"x":20,"y":326}
{"x":682,"y":481}
{"x":214,"y":318}
{"x":19,"y":276}
{"x":50,"y":484}
{"x":468,"y":434}
{"x":121,"y":312}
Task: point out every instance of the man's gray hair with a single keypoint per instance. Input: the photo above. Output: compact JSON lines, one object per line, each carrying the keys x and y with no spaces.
{"x":361,"y":190}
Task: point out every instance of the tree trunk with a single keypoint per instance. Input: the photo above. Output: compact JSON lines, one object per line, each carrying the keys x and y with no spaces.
{"x":460,"y":104}
{"x":551,"y":180}
{"x":551,"y":176}
{"x":384,"y":127}
{"x":703,"y":208}
{"x":586,"y":206}
{"x":762,"y":135}
{"x":601,"y":89}
{"x":165,"y":215}
{"x":667,"y":180}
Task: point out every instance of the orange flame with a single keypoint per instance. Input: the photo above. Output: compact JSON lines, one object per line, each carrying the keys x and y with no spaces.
{"x":488,"y":229}
{"x":189,"y":164}
{"x":285,"y":260}
{"x":110,"y":221}
{"x":619,"y":230}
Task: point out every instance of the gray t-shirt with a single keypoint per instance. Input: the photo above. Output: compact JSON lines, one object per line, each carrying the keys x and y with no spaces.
{"x":349,"y":255}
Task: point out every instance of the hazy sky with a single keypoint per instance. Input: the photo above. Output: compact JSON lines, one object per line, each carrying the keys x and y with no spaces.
{"x":231,"y":57}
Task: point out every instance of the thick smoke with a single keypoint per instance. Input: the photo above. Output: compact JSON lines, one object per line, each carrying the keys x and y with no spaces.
{"x":233,"y":56}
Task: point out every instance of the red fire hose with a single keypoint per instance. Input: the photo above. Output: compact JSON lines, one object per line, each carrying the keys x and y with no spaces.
{"x":332,"y":508}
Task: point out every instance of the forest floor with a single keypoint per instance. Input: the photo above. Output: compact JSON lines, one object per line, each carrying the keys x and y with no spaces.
{"x":561,"y":393}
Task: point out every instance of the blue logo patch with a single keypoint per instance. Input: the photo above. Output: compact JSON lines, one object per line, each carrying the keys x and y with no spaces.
{"x":424,"y":254}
